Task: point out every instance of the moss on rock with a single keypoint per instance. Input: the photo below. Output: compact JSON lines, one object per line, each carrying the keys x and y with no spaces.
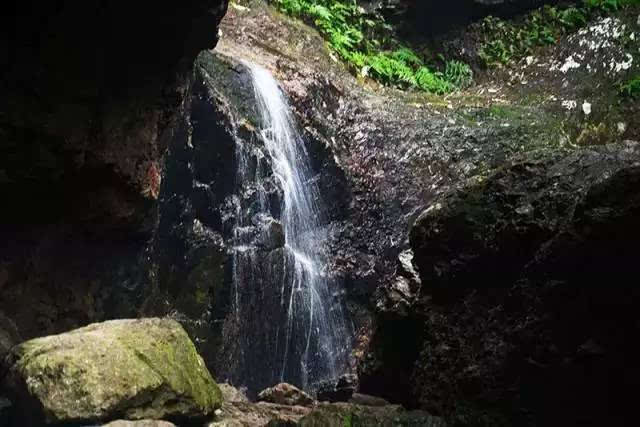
{"x":132,"y":369}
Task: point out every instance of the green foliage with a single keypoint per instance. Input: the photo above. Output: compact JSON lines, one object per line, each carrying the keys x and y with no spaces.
{"x":631,"y":88}
{"x":366,"y":43}
{"x":458,"y":73}
{"x":348,"y":420}
{"x":608,"y":6}
{"x":507,"y":41}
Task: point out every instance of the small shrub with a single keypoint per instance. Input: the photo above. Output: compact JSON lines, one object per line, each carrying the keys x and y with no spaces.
{"x":458,"y":73}
{"x":631,"y":88}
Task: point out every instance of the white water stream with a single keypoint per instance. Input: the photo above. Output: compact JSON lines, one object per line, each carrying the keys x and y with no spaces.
{"x":311,"y":339}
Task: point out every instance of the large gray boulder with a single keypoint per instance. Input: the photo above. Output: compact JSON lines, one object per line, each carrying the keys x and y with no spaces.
{"x":120,"y":369}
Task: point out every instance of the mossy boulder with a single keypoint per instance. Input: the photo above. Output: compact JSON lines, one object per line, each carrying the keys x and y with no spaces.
{"x":127,"y":369}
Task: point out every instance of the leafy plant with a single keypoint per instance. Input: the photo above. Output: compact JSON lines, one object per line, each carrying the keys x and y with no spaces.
{"x":609,"y":5}
{"x":458,"y":73}
{"x":507,"y":41}
{"x":367,"y":44}
{"x":631,"y":88}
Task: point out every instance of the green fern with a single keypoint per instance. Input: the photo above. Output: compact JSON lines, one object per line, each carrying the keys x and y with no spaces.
{"x":366,"y":43}
{"x":631,"y":88}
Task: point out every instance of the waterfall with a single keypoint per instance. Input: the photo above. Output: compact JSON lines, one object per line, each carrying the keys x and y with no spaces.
{"x":289,"y":322}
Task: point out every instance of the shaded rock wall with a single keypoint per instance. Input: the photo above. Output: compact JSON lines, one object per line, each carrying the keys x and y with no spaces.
{"x":190,"y":266}
{"x":528,"y":294}
{"x":428,"y":18}
{"x":91,"y":92}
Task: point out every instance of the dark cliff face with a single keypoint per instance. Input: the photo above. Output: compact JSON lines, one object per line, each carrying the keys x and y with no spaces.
{"x":429,"y":18}
{"x":91,"y":95}
{"x":528,"y":296}
{"x":89,"y":90}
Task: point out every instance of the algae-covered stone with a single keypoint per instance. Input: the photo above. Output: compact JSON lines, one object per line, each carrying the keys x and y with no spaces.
{"x":130,"y":369}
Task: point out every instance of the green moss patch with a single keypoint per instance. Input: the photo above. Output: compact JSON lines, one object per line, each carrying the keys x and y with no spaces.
{"x":133,"y":369}
{"x":631,"y":88}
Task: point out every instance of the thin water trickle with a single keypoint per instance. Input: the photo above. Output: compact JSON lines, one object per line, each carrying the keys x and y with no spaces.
{"x":309,"y":339}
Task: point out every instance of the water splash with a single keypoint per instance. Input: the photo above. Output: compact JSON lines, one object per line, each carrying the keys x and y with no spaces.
{"x":283,"y":301}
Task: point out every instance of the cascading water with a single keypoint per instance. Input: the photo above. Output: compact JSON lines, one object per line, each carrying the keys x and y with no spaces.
{"x":288,"y":323}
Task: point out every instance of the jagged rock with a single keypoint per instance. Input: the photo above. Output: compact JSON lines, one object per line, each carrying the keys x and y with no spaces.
{"x":139,"y":423}
{"x":285,"y":394}
{"x":232,"y":394}
{"x":338,"y":391}
{"x":400,"y":295}
{"x":135,"y":369}
{"x":273,"y":233}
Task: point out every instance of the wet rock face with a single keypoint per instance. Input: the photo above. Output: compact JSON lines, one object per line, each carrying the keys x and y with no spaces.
{"x":229,"y":188}
{"x":91,"y":96}
{"x":528,"y":292}
{"x":188,"y":257}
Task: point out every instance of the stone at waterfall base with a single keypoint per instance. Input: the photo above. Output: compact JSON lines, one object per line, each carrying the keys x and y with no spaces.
{"x":285,"y":394}
{"x":362,"y":410}
{"x":132,"y":369}
{"x":245,"y":414}
{"x":139,"y":423}
{"x":338,"y":391}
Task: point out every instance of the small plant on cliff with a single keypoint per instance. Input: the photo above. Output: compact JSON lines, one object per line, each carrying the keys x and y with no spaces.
{"x":458,"y":73}
{"x":367,"y":44}
{"x":631,"y":88}
{"x":506,"y":41}
{"x":609,"y":5}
